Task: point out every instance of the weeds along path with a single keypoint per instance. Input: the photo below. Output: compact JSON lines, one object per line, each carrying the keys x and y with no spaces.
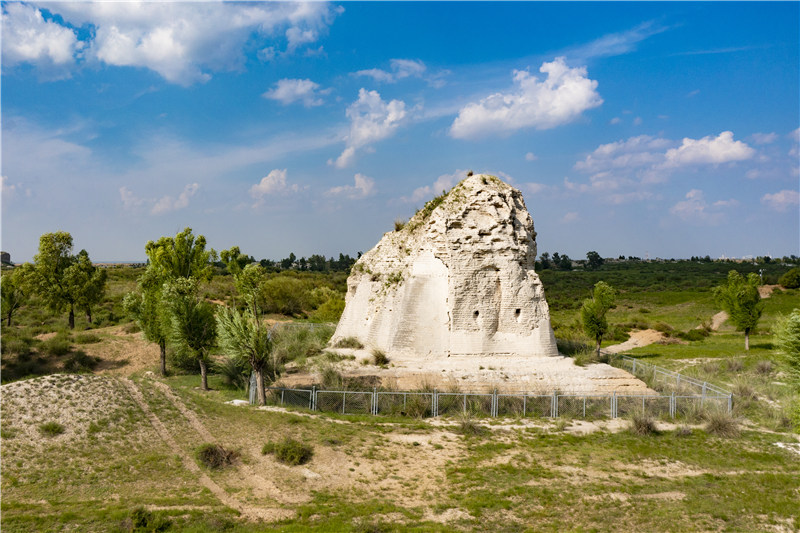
{"x":249,"y":512}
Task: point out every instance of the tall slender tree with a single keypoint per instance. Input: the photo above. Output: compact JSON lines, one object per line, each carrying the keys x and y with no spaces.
{"x":13,"y":292}
{"x":243,"y":338}
{"x":739,"y":297}
{"x":594,"y":309}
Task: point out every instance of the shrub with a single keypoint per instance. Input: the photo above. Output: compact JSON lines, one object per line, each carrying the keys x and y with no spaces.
{"x":764,"y":368}
{"x":571,"y":346}
{"x":80,"y":362}
{"x":131,"y":327}
{"x":349,"y":342}
{"x":86,"y":338}
{"x":331,"y":310}
{"x":693,"y":335}
{"x":399,"y":224}
{"x":791,"y":279}
{"x":143,"y":520}
{"x":289,"y":451}
{"x":234,"y":372}
{"x":58,"y":345}
{"x":734,"y":365}
{"x":215,"y":456}
{"x":299,"y":343}
{"x":722,"y":424}
{"x":643,"y":425}
{"x":379,"y":357}
{"x":331,"y":379}
{"x":19,"y":346}
{"x":683,"y":431}
{"x":468,"y":427}
{"x":51,"y":429}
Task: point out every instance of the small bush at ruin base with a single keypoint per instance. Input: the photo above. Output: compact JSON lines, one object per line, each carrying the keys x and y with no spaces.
{"x":468,"y":427}
{"x":215,"y":456}
{"x":722,"y":424}
{"x":51,"y":429}
{"x":643,"y":425}
{"x":349,"y":342}
{"x":289,"y":451}
{"x":379,"y":357}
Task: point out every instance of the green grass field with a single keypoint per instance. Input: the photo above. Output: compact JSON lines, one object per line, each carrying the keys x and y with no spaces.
{"x":112,"y":468}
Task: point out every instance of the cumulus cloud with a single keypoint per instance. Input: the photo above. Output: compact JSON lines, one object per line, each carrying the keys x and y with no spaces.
{"x":371,"y":120}
{"x":272,"y":183}
{"x":165,"y":204}
{"x":530,"y":156}
{"x":443,"y":183}
{"x":29,"y":38}
{"x":362,"y":187}
{"x":6,"y":187}
{"x":183,"y":42}
{"x":572,"y":216}
{"x":708,"y":150}
{"x":288,"y":91}
{"x":782,"y":200}
{"x":794,"y":151}
{"x":695,"y":209}
{"x":560,"y":98}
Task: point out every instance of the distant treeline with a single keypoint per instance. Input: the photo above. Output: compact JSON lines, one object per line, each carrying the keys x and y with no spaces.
{"x":315,"y":263}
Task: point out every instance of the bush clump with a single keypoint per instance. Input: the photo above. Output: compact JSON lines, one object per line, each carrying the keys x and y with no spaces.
{"x":143,"y":520}
{"x":289,"y":451}
{"x":468,"y":427}
{"x":51,"y":429}
{"x":694,"y":335}
{"x":58,"y":345}
{"x":86,"y":338}
{"x":791,"y":279}
{"x":643,"y":425}
{"x":214,"y":456}
{"x":80,"y":362}
{"x":349,"y":342}
{"x":722,"y":424}
{"x":379,"y":357}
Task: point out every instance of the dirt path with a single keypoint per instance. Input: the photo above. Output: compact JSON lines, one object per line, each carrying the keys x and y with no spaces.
{"x":717,"y":320}
{"x":252,"y":513}
{"x":637,"y":339}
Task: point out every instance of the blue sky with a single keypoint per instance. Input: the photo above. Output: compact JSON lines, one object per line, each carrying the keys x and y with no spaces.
{"x":666,"y":129}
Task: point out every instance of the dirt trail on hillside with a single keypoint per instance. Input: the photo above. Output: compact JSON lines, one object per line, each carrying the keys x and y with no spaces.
{"x":251,"y":513}
{"x":636,"y":340}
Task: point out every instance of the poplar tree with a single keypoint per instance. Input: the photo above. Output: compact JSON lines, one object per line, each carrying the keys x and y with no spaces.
{"x":739,"y":297}
{"x":594,"y":309}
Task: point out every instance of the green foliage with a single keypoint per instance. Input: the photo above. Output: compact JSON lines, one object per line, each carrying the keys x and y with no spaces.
{"x":85,"y":338}
{"x":58,"y":345}
{"x":379,"y":357}
{"x":468,"y":427}
{"x":331,"y":310}
{"x":80,"y":362}
{"x":349,"y":342}
{"x":739,"y":297}
{"x":234,"y":372}
{"x":12,"y":294}
{"x":214,"y":456}
{"x":184,"y":256}
{"x":399,"y":224}
{"x":285,"y":295}
{"x":51,"y":429}
{"x":245,"y":339}
{"x":289,"y":451}
{"x":791,"y":279}
{"x":787,"y":340}
{"x":192,"y":327}
{"x":143,"y":520}
{"x":297,"y":343}
{"x":593,"y":312}
{"x":593,"y":260}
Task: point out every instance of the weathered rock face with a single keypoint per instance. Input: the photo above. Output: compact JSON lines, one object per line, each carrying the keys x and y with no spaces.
{"x":457,"y":280}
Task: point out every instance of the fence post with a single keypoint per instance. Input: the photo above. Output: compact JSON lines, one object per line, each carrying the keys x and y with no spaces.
{"x":311,"y":398}
{"x":374,"y":400}
{"x":344,"y":400}
{"x":672,"y":405}
{"x":524,"y":403}
{"x":703,"y":400}
{"x":584,"y":407}
{"x":634,"y":367}
{"x":314,"y":407}
{"x":554,"y":405}
{"x":614,"y":403}
{"x":282,"y":392}
{"x":494,"y":403}
{"x":435,"y":403}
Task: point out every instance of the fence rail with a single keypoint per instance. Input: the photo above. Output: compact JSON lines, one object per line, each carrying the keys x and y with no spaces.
{"x":686,"y":395}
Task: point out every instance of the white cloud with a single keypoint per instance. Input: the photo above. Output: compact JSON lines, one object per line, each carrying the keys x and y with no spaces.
{"x":530,"y":156}
{"x":695,"y":209}
{"x":443,"y":183}
{"x":572,"y":216}
{"x":29,"y":38}
{"x":6,"y":188}
{"x":563,"y":95}
{"x":781,"y":201}
{"x":635,"y":152}
{"x":363,"y":186}
{"x":794,"y":135}
{"x":614,"y":44}
{"x":535,"y":188}
{"x":708,"y":150}
{"x":400,"y":69}
{"x":272,"y":183}
{"x":288,"y":91}
{"x":166,"y":204}
{"x":371,"y":120}
{"x":129,"y":199}
{"x":615,"y":120}
{"x":637,"y":121}
{"x":184,"y":42}
{"x":764,"y":138}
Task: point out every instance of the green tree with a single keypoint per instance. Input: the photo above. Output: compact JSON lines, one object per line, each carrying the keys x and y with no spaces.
{"x":12,"y":293}
{"x":593,"y":260}
{"x":192,"y":327}
{"x":791,"y":279}
{"x":739,"y":297}
{"x":88,"y":283}
{"x":169,"y":258}
{"x":787,"y":339}
{"x":593,"y":312}
{"x":235,"y":260}
{"x":243,"y":337}
{"x":52,"y":278}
